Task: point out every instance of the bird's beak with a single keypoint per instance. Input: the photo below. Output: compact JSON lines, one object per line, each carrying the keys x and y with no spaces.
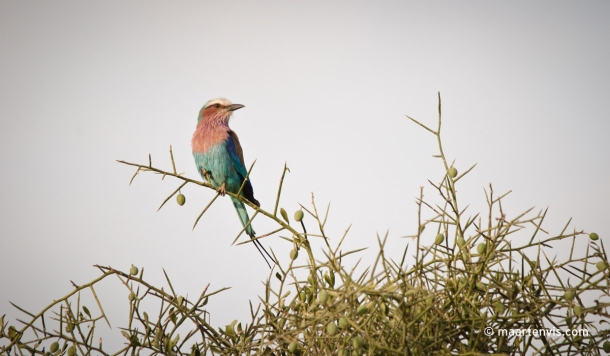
{"x":234,"y":107}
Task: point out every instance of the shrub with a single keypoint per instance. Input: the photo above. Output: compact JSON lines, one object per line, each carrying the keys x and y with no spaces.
{"x":471,"y":291}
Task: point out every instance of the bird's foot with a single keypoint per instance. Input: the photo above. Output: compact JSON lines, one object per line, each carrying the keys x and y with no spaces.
{"x":206,"y":174}
{"x":222,"y":190}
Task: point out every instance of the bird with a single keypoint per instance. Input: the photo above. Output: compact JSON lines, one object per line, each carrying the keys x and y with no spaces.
{"x":220,"y":159}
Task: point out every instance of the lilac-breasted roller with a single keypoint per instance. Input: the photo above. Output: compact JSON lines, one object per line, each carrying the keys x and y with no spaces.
{"x":220,"y":159}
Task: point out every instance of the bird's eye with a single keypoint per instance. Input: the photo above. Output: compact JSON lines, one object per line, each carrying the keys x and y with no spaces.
{"x":217,"y":106}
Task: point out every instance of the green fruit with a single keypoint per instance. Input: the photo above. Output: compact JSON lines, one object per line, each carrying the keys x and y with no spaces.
{"x":133,"y":270}
{"x":357,"y":342}
{"x":578,"y":310}
{"x":284,"y":215}
{"x":310,"y":294}
{"x":343,"y":323}
{"x":181,"y":199}
{"x":499,"y":308}
{"x":461,"y":242}
{"x":327,"y":279}
{"x":568,"y":295}
{"x":298,"y":215}
{"x":71,"y":350}
{"x":439,"y":239}
{"x":362,"y":310}
{"x":292,"y":347}
{"x":331,"y":329}
{"x":429,"y":300}
{"x":294,"y":254}
{"x":452,"y":172}
{"x":69,"y":328}
{"x":229,"y":329}
{"x":54,"y":347}
{"x":606,"y":347}
{"x":481,"y":248}
{"x":323,"y":297}
{"x":383,"y":307}
{"x":302,"y":296}
{"x":593,"y":236}
{"x":12,"y":333}
{"x":601,"y":265}
{"x":311,"y":279}
{"x":132,"y":297}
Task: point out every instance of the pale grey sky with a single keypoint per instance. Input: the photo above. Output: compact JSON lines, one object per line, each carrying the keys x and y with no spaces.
{"x":526,"y":95}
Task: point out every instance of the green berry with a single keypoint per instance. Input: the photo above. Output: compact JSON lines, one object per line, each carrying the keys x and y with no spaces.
{"x":71,"y":350}
{"x":429,"y":300}
{"x":132,"y":297}
{"x":329,"y":280}
{"x":331,"y":329}
{"x":499,"y":307}
{"x":461,"y":242}
{"x":481,"y":248}
{"x":54,"y":347}
{"x":578,"y":310}
{"x":133,"y":270}
{"x":357,"y":342}
{"x":343,"y":323}
{"x":310,"y":279}
{"x":601,"y":265}
{"x":294,"y":254}
{"x":298,"y":215}
{"x":593,"y":236}
{"x":181,"y":199}
{"x":452,"y":172}
{"x":292,"y":347}
{"x":439,"y":239}
{"x":12,"y":333}
{"x":284,"y":215}
{"x":568,"y":295}
{"x":383,"y":307}
{"x":606,"y":347}
{"x":229,"y":330}
{"x":323,"y":297}
{"x":363,"y":309}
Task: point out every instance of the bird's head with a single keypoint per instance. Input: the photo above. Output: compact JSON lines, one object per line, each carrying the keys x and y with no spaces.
{"x":218,"y":111}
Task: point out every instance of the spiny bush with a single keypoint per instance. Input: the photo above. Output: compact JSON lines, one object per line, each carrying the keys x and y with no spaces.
{"x":472,"y":291}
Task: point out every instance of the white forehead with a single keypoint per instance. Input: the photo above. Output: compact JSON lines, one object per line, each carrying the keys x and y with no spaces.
{"x":221,"y":101}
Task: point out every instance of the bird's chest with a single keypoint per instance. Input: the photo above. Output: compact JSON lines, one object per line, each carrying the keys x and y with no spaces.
{"x":211,"y":155}
{"x":217,"y":161}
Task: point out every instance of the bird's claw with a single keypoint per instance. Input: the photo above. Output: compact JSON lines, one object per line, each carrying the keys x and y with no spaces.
{"x":206,"y":174}
{"x":222,"y":190}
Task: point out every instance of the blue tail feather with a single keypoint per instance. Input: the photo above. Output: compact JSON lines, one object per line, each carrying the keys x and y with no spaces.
{"x":244,"y":218}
